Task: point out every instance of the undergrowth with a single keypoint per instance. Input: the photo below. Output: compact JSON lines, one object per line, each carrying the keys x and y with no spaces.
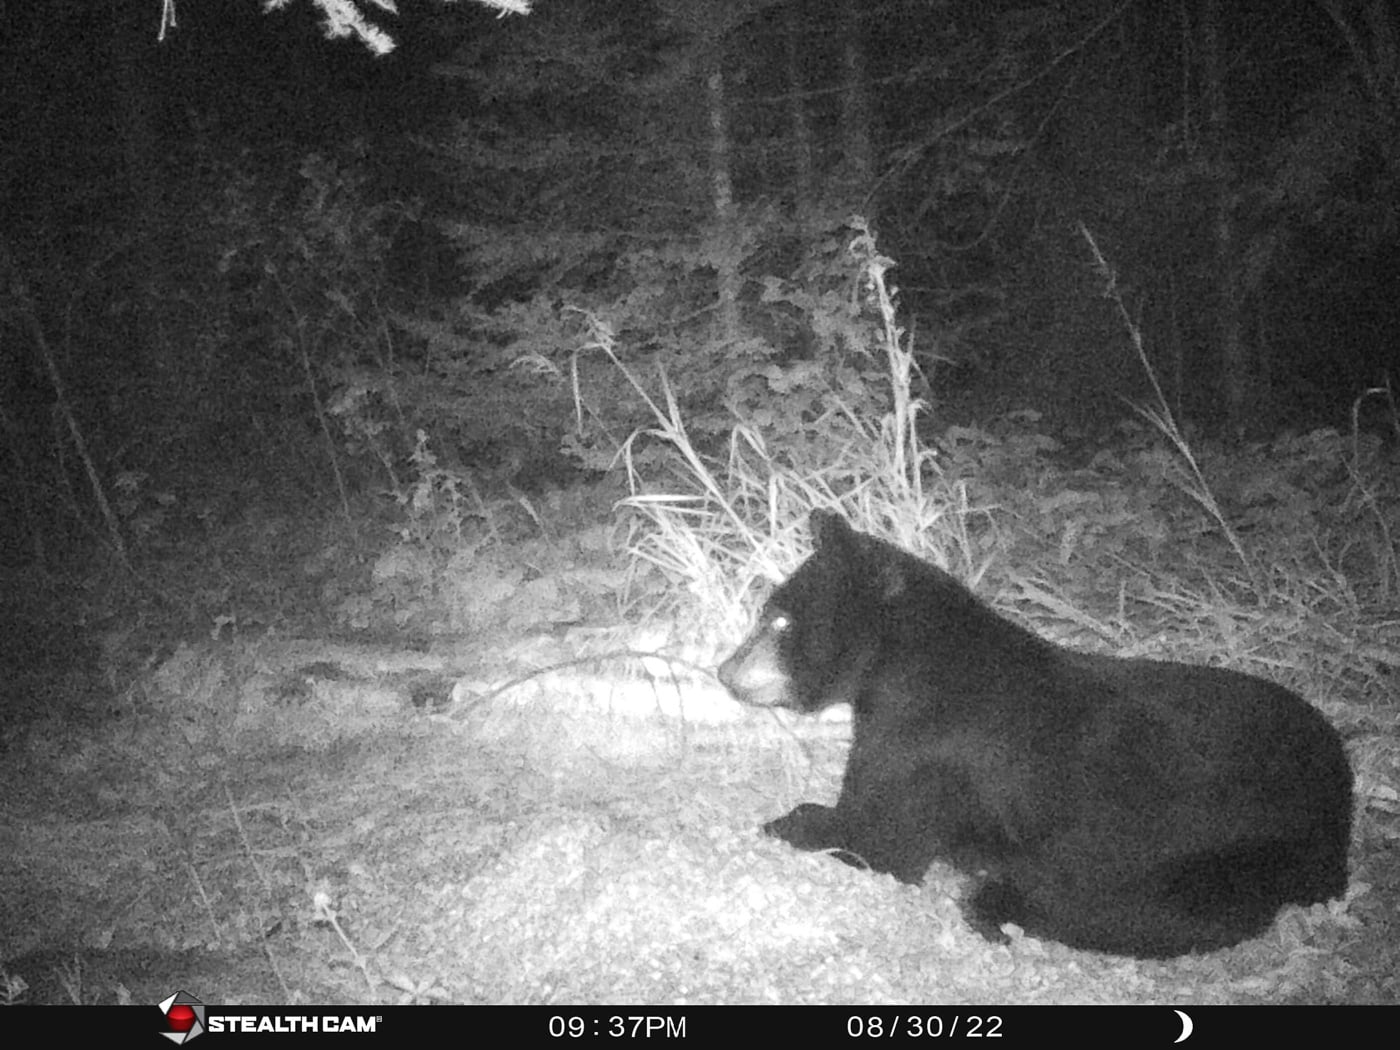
{"x":1158,"y":542}
{"x":717,"y":521}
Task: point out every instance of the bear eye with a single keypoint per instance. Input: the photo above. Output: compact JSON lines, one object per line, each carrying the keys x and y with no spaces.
{"x":779,"y":623}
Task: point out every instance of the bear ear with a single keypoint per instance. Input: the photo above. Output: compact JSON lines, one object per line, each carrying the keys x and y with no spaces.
{"x":829,"y":529}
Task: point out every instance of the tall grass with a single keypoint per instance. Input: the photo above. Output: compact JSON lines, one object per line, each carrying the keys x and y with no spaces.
{"x":718,"y":524}
{"x":1191,"y":478}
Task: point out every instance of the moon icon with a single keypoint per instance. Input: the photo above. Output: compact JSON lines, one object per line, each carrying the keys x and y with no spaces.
{"x":1186,"y":1026}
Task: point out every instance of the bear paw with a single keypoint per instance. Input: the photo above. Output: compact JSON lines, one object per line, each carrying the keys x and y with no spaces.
{"x":808,"y":827}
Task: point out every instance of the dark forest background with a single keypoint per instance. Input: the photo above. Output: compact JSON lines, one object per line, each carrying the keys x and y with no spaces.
{"x":246,"y":256}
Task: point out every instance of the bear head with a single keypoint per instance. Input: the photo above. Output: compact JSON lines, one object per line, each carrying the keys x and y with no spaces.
{"x":819,"y":632}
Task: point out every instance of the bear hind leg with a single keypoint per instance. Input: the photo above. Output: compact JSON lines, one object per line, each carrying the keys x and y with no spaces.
{"x":1237,"y":884}
{"x":1121,"y":923}
{"x":1200,"y":902}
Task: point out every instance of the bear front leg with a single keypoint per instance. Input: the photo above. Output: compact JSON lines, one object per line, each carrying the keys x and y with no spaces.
{"x":809,"y":827}
{"x":880,"y":830}
{"x":815,"y":828}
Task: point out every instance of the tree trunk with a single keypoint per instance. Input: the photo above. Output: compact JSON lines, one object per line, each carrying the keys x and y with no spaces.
{"x":1234,"y":362}
{"x":132,"y":54}
{"x":859,"y":166}
{"x":803,"y":163}
{"x":722,"y":188}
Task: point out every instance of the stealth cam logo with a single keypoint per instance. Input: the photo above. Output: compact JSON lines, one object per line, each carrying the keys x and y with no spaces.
{"x":184,"y":1017}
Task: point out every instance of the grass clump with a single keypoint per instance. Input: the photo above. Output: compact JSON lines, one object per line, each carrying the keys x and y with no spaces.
{"x":717,"y":516}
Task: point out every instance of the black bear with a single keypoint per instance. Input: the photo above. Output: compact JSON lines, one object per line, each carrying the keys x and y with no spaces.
{"x":1128,"y":806}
